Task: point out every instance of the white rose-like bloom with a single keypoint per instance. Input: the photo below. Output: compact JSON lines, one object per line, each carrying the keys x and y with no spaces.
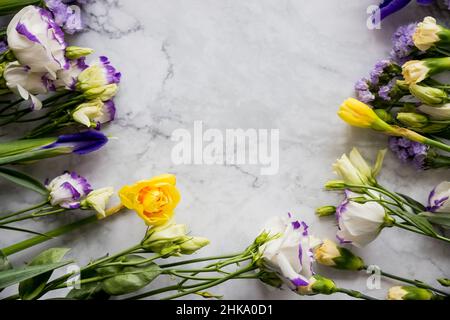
{"x":415,"y":71}
{"x":37,"y":41}
{"x":426,"y":34}
{"x":353,"y":169}
{"x":167,"y":232}
{"x":94,"y":112}
{"x":360,"y":223}
{"x":98,"y":199}
{"x":27,"y":84}
{"x":438,"y":200}
{"x":290,"y":254}
{"x":441,"y":112}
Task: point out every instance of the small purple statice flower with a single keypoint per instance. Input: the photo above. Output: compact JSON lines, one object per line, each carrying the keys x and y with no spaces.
{"x":379,"y":70}
{"x":385,"y":91}
{"x":3,"y":47}
{"x":362,"y":89}
{"x":409,"y":151}
{"x":402,"y":42}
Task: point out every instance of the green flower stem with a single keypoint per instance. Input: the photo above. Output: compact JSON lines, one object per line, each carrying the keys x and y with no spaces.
{"x":414,"y":229}
{"x":437,"y":144}
{"x":230,"y":276}
{"x":163,"y":290}
{"x":32,"y":216}
{"x":11,"y":6}
{"x":381,"y":190}
{"x":175,"y":264}
{"x":416,"y":283}
{"x":48,"y":235}
{"x":355,"y":294}
{"x":10,"y":105}
{"x":175,"y":273}
{"x":38,"y":206}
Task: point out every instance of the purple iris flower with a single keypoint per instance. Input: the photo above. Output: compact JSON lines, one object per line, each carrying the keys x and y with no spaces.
{"x":80,"y":143}
{"x":388,"y":7}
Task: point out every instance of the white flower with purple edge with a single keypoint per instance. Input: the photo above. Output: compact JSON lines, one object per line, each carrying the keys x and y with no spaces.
{"x":37,"y":41}
{"x":97,"y":75}
{"x":438,"y":200}
{"x":290,"y":253}
{"x":68,"y":78}
{"x":94,"y":113}
{"x":360,"y":223}
{"x":67,"y":190}
{"x":66,"y":16}
{"x":27,"y":84}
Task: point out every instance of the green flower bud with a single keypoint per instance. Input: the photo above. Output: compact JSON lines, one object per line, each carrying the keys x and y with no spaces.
{"x":384,"y":115}
{"x":412,"y":120}
{"x":189,"y":245}
{"x":411,"y":293}
{"x":325,"y":211}
{"x":318,"y":285}
{"x":444,"y":282}
{"x":74,"y":52}
{"x":330,"y":254}
{"x":428,"y":95}
{"x":335,"y":185}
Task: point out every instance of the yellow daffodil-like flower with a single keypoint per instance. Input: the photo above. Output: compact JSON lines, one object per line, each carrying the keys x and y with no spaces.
{"x":154,"y":200}
{"x":358,"y":114}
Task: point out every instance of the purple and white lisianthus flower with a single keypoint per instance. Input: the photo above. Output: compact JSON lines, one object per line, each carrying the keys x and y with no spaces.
{"x":20,"y":80}
{"x":359,"y":223}
{"x":97,"y":75}
{"x":290,"y":253}
{"x":97,"y":200}
{"x":68,"y":78}
{"x":438,"y":200}
{"x":94,"y":113}
{"x":37,"y":41}
{"x":67,"y":190}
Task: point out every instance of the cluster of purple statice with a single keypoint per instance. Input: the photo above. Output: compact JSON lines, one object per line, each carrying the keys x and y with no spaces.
{"x":409,"y":151}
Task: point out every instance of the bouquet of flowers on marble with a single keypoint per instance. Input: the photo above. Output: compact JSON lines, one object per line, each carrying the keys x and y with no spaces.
{"x":36,"y":62}
{"x":368,"y":207}
{"x":66,"y":13}
{"x":401,"y":99}
{"x":389,"y":7}
{"x":282,"y":256}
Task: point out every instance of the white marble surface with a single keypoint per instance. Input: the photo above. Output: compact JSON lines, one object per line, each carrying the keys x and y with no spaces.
{"x":271,"y":64}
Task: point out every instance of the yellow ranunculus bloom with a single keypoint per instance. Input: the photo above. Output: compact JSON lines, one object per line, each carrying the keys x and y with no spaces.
{"x":358,"y":114}
{"x":154,"y":200}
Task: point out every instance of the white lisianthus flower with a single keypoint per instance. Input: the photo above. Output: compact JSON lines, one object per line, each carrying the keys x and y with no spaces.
{"x":441,"y":112}
{"x":353,"y":169}
{"x":410,"y":293}
{"x":426,"y":34}
{"x":439,"y":198}
{"x":67,"y":78}
{"x":95,"y":112}
{"x":98,"y":199}
{"x":168,"y":232}
{"x":98,"y":74}
{"x":27,"y":84}
{"x":415,"y":71}
{"x":360,"y":223}
{"x":37,"y":41}
{"x":191,"y":244}
{"x":67,"y":190}
{"x":290,"y":253}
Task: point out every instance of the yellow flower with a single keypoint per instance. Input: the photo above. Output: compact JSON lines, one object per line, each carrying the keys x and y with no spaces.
{"x":154,"y":200}
{"x":358,"y":114}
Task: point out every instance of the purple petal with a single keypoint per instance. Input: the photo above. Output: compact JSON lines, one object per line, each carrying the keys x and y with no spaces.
{"x":80,"y":143}
{"x":389,"y":7}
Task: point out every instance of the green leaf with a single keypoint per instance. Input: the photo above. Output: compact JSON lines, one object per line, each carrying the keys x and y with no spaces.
{"x":130,"y":278}
{"x":88,"y":291}
{"x":31,"y":288}
{"x":23,"y":230}
{"x":441,"y":219}
{"x":23,"y":180}
{"x":419,"y":222}
{"x":4,"y":263}
{"x":413,"y":202}
{"x":12,"y":6}
{"x":13,"y":276}
{"x":21,"y":146}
